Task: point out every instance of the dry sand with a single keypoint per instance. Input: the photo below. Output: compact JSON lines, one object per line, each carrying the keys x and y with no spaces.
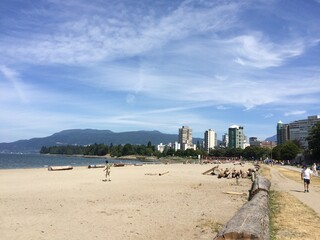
{"x":136,"y":204}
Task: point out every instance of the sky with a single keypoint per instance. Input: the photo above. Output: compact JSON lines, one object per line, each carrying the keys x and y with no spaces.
{"x":125,"y":65}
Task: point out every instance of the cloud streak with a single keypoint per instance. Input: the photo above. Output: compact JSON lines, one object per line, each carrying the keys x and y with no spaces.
{"x":13,"y":77}
{"x":254,"y":51}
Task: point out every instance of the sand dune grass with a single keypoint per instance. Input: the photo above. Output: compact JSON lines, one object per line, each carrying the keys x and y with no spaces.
{"x":291,"y":219}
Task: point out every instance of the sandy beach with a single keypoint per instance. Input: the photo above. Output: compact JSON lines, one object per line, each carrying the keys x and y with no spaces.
{"x":136,"y":204}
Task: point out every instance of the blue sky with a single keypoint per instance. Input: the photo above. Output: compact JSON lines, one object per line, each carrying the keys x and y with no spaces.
{"x":157,"y":65}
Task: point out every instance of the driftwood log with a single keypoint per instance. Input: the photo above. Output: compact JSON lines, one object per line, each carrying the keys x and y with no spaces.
{"x":252,"y":220}
{"x":59,"y":168}
{"x":259,"y":184}
{"x":118,"y":164}
{"x":233,"y":173}
{"x":96,"y":166}
{"x":210,"y":170}
{"x":161,"y":174}
{"x":156,"y":174}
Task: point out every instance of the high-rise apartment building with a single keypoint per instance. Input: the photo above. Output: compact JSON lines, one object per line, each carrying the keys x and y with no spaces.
{"x":299,"y":130}
{"x":210,"y":139}
{"x":185,"y":138}
{"x":236,"y":137}
{"x":225,"y":140}
{"x":282,"y":133}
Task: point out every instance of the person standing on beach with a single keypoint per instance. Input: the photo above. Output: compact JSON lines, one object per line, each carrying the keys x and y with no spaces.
{"x":107,"y":170}
{"x":314,"y":169}
{"x":306,"y":177}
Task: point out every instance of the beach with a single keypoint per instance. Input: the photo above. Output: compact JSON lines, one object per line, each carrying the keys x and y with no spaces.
{"x":137,"y":203}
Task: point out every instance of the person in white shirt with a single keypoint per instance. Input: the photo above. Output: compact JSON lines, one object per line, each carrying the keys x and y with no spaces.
{"x":306,"y":177}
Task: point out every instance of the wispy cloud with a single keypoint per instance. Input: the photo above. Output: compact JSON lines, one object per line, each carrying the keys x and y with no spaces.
{"x":13,"y":77}
{"x":222,"y":107}
{"x":269,"y":115}
{"x":294,"y":113}
{"x":99,"y":38}
{"x":255,"y":51}
{"x":157,"y":64}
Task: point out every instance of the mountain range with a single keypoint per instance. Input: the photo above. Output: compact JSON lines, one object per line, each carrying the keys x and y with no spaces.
{"x":91,"y":136}
{"x":87,"y":137}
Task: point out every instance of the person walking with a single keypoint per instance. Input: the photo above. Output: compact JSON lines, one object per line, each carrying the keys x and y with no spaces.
{"x":107,"y":170}
{"x":306,"y":177}
{"x":314,"y":169}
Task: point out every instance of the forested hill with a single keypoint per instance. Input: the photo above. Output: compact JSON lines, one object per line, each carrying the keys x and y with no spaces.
{"x":87,"y":137}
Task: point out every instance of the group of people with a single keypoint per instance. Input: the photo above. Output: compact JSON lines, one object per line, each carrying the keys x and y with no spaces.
{"x":306,"y":174}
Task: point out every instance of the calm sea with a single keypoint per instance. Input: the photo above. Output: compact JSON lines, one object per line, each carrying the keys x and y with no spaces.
{"x":11,"y":161}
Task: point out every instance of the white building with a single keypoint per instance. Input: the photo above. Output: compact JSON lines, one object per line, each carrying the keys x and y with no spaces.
{"x":210,"y":139}
{"x":299,"y":130}
{"x":161,"y":147}
{"x":185,"y":138}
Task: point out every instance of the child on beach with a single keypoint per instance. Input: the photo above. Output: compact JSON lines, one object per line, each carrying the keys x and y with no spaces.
{"x":107,"y":170}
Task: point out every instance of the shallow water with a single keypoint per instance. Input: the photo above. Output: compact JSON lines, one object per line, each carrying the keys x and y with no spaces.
{"x":13,"y":161}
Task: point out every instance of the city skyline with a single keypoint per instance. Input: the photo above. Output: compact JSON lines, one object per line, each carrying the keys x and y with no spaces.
{"x":148,"y":65}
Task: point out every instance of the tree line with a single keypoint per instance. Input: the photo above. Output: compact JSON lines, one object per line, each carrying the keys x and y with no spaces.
{"x":101,"y":150}
{"x":251,"y":152}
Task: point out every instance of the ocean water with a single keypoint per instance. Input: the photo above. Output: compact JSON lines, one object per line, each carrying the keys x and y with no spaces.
{"x":13,"y":161}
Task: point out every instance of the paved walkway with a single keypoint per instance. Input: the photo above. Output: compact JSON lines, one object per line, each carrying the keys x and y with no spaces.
{"x":281,"y":183}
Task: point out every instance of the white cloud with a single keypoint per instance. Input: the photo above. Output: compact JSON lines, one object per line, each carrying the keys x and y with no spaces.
{"x":269,"y":115}
{"x":100,"y":38}
{"x":185,"y":61}
{"x":295,"y":113}
{"x":256,"y":51}
{"x":222,"y":107}
{"x":13,"y":77}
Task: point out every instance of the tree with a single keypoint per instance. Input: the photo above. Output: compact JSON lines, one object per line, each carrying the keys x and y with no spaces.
{"x":170,"y":152}
{"x":289,"y":151}
{"x":127,"y":150}
{"x":219,"y":152}
{"x":234,"y":152}
{"x":150,"y":149}
{"x":251,"y":152}
{"x":276,"y":152}
{"x":314,"y":141}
